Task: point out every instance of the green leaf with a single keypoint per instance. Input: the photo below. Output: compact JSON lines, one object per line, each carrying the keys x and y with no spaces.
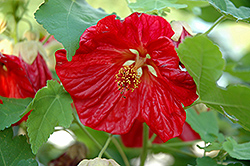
{"x":206,"y":161}
{"x":51,"y":107}
{"x":227,"y":8}
{"x":201,"y":123}
{"x":29,"y":162}
{"x":157,"y":6}
{"x":213,"y":146}
{"x":11,"y":110}
{"x":238,"y":151}
{"x":204,"y":62}
{"x":67,"y":20}
{"x":13,"y":150}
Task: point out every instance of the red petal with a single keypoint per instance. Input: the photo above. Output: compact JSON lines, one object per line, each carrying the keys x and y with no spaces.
{"x":160,"y":108}
{"x":166,"y":62}
{"x":163,"y":54}
{"x":91,"y":83}
{"x":141,"y":29}
{"x":14,"y":82}
{"x":188,"y":134}
{"x":135,"y":32}
{"x":38,"y":72}
{"x":134,"y":137}
{"x":181,"y":84}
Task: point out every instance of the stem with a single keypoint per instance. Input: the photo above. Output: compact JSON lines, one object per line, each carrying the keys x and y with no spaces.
{"x":105,"y":146}
{"x":118,"y":147}
{"x":46,"y":39}
{"x":152,"y":138}
{"x":216,"y":23}
{"x":145,"y":144}
{"x":15,"y":33}
{"x":181,"y":143}
{"x":88,"y":134}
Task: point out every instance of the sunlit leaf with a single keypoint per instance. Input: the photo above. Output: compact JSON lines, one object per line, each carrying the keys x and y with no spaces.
{"x":235,"y":150}
{"x":204,"y":62}
{"x":67,"y":20}
{"x":13,"y":150}
{"x":226,"y":7}
{"x":11,"y":109}
{"x":51,"y":107}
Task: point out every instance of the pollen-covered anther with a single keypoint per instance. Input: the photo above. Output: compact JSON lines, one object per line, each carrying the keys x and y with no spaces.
{"x":127,"y":79}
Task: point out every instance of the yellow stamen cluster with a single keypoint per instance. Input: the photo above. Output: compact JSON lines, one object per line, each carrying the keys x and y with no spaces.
{"x":127,"y":79}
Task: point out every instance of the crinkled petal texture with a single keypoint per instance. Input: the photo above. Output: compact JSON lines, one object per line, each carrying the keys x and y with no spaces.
{"x":13,"y":78}
{"x":19,"y":79}
{"x":104,"y":48}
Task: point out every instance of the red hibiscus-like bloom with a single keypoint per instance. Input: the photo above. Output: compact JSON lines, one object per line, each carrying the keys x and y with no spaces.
{"x":125,"y":71}
{"x":19,"y":79}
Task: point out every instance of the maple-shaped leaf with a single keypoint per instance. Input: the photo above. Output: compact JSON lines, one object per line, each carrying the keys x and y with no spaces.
{"x":51,"y":107}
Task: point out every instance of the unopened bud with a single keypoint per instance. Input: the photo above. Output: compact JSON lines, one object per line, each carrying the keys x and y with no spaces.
{"x":29,"y":50}
{"x":98,"y":162}
{"x":179,"y":27}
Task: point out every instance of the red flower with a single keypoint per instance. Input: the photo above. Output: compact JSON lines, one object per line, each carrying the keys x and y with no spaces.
{"x":110,"y":94}
{"x":19,"y":79}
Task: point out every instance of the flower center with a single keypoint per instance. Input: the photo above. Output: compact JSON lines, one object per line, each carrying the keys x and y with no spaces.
{"x":127,"y":79}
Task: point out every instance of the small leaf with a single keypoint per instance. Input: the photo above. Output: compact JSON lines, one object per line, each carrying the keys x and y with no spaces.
{"x":67,"y":20}
{"x":157,"y":6}
{"x":204,"y":62}
{"x":11,"y":110}
{"x":213,"y":146}
{"x":51,"y":107}
{"x":206,"y":161}
{"x":201,"y":123}
{"x":29,"y":162}
{"x":13,"y":150}
{"x":238,"y":151}
{"x":226,"y":7}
